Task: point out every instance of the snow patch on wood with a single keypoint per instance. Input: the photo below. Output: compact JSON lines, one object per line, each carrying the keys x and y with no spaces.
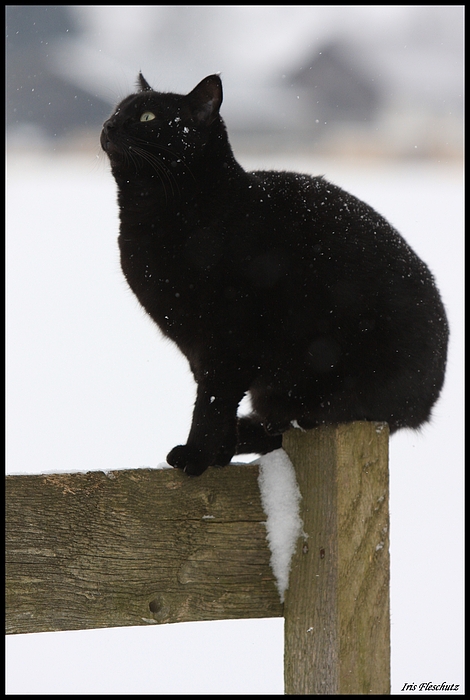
{"x":280,"y":498}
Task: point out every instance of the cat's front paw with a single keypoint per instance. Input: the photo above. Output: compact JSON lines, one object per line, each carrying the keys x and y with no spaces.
{"x":188,"y":459}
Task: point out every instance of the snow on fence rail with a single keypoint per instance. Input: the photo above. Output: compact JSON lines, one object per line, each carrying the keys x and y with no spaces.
{"x":144,"y":546}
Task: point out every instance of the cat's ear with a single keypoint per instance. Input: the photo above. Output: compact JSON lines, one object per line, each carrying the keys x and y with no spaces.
{"x":142,"y":84}
{"x":205,"y":99}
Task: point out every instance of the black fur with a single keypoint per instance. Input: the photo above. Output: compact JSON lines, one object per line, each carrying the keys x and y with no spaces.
{"x":273,"y":283}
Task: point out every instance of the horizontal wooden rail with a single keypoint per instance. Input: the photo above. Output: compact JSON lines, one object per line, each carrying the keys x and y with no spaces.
{"x":136,"y":547}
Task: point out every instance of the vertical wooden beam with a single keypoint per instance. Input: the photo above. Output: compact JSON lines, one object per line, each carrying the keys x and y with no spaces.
{"x":337,"y":616}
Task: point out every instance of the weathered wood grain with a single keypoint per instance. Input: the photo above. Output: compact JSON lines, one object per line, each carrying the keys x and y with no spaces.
{"x":136,"y":547}
{"x":337,"y":619}
{"x":144,"y":546}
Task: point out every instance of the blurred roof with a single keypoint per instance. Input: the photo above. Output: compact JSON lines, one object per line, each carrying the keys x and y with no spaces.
{"x":312,"y":75}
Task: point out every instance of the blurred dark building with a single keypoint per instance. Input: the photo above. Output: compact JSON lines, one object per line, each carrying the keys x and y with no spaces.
{"x":35,"y":94}
{"x":335,"y":88}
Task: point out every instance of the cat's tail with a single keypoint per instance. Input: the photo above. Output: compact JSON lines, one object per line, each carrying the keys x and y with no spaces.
{"x":253,"y":438}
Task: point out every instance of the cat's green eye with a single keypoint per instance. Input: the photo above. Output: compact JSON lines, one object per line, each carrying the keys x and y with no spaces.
{"x":147,"y":117}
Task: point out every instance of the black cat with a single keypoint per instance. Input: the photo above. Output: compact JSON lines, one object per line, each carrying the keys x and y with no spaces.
{"x":272,"y":283}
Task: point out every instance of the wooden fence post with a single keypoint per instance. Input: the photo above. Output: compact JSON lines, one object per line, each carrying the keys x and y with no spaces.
{"x":337,"y":620}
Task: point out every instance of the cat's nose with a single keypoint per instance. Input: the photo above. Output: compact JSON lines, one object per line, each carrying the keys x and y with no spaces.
{"x":108,"y":126}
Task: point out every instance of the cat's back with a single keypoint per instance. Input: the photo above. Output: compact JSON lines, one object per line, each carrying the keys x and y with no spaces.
{"x":302,"y":241}
{"x":317,"y":221}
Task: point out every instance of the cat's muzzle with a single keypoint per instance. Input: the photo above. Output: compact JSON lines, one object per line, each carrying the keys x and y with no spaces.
{"x":105,"y":138}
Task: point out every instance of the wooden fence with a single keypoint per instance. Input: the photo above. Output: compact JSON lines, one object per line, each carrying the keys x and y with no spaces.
{"x":143,"y":546}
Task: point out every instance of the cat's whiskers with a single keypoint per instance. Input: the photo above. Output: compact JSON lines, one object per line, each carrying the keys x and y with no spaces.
{"x":179,"y":158}
{"x":136,"y":153}
{"x":161,"y":169}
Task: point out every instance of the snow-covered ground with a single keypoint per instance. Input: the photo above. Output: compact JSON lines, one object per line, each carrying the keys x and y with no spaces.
{"x":92,"y":385}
